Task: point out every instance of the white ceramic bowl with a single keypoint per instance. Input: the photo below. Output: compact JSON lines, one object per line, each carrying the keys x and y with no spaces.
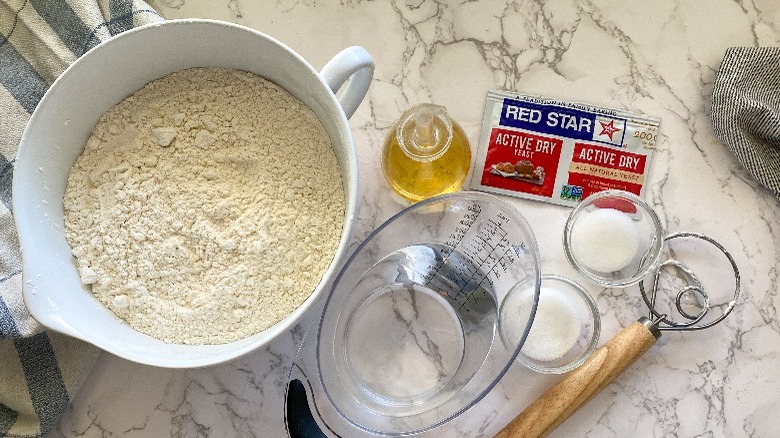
{"x":62,"y":122}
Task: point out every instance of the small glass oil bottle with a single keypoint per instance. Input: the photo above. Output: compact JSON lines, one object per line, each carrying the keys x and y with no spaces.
{"x":426,"y":153}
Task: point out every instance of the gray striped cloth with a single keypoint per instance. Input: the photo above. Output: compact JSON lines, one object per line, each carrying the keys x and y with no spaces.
{"x":746,"y":110}
{"x":40,"y":371}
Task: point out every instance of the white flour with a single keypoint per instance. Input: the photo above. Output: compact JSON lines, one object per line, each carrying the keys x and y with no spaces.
{"x":205,"y":207}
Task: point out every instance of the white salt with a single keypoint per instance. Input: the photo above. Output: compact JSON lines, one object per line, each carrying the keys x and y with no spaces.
{"x":555,"y":328}
{"x":605,"y":240}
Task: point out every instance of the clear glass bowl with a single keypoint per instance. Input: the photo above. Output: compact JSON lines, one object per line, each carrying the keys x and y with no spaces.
{"x":409,"y":338}
{"x":613,"y":238}
{"x":566,"y":326}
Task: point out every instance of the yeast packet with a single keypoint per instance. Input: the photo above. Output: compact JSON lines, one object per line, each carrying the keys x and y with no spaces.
{"x":560,"y":152}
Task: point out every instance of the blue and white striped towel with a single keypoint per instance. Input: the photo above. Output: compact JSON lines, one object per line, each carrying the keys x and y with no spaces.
{"x":40,"y":371}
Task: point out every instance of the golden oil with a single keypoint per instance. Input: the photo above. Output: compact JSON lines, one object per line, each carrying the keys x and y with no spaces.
{"x":426,"y":153}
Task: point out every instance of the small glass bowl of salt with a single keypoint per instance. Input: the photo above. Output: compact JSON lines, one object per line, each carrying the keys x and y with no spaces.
{"x":613,"y":238}
{"x":565,"y":328}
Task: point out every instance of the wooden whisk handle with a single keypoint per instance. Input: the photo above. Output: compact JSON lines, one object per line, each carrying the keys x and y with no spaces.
{"x":580,"y":385}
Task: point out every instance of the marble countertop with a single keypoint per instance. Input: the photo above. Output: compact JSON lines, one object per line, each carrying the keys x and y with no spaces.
{"x":658,"y":58}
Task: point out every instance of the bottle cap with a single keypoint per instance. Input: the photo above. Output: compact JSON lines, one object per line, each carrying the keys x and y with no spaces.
{"x":424,"y":131}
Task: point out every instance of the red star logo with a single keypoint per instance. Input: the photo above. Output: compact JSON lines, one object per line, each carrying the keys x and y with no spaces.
{"x":608,"y":128}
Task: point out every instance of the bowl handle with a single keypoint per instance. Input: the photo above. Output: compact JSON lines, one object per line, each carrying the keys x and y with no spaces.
{"x":353,"y":63}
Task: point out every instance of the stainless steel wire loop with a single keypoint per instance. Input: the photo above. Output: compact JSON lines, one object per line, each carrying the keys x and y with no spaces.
{"x":690,"y":321}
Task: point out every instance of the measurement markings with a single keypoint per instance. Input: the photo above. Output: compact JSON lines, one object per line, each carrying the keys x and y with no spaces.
{"x":466,"y":275}
{"x":484,"y":277}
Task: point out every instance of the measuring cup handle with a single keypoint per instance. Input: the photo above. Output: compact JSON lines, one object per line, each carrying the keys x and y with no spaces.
{"x":353,"y":63}
{"x":579,"y":386}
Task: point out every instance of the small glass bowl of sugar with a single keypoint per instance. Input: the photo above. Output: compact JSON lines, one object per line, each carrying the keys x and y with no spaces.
{"x":565,"y":328}
{"x":613,"y":238}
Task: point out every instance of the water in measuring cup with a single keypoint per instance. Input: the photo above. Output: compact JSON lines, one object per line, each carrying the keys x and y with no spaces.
{"x":425,"y":327}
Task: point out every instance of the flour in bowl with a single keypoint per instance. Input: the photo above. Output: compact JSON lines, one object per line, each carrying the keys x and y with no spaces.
{"x":205,"y":207}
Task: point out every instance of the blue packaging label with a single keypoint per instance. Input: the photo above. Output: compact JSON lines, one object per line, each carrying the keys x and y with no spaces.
{"x":563,"y":121}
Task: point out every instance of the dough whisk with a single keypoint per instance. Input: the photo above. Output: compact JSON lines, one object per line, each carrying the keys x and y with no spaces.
{"x":691,"y":303}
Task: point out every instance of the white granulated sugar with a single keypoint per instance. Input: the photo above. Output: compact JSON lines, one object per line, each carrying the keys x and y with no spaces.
{"x":205,"y":207}
{"x":605,"y":240}
{"x":555,"y":329}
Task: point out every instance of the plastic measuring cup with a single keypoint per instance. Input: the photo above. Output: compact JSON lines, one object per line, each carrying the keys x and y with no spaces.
{"x":409,"y":336}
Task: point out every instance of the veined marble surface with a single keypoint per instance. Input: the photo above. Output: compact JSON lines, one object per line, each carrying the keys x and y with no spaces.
{"x":658,"y":58}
